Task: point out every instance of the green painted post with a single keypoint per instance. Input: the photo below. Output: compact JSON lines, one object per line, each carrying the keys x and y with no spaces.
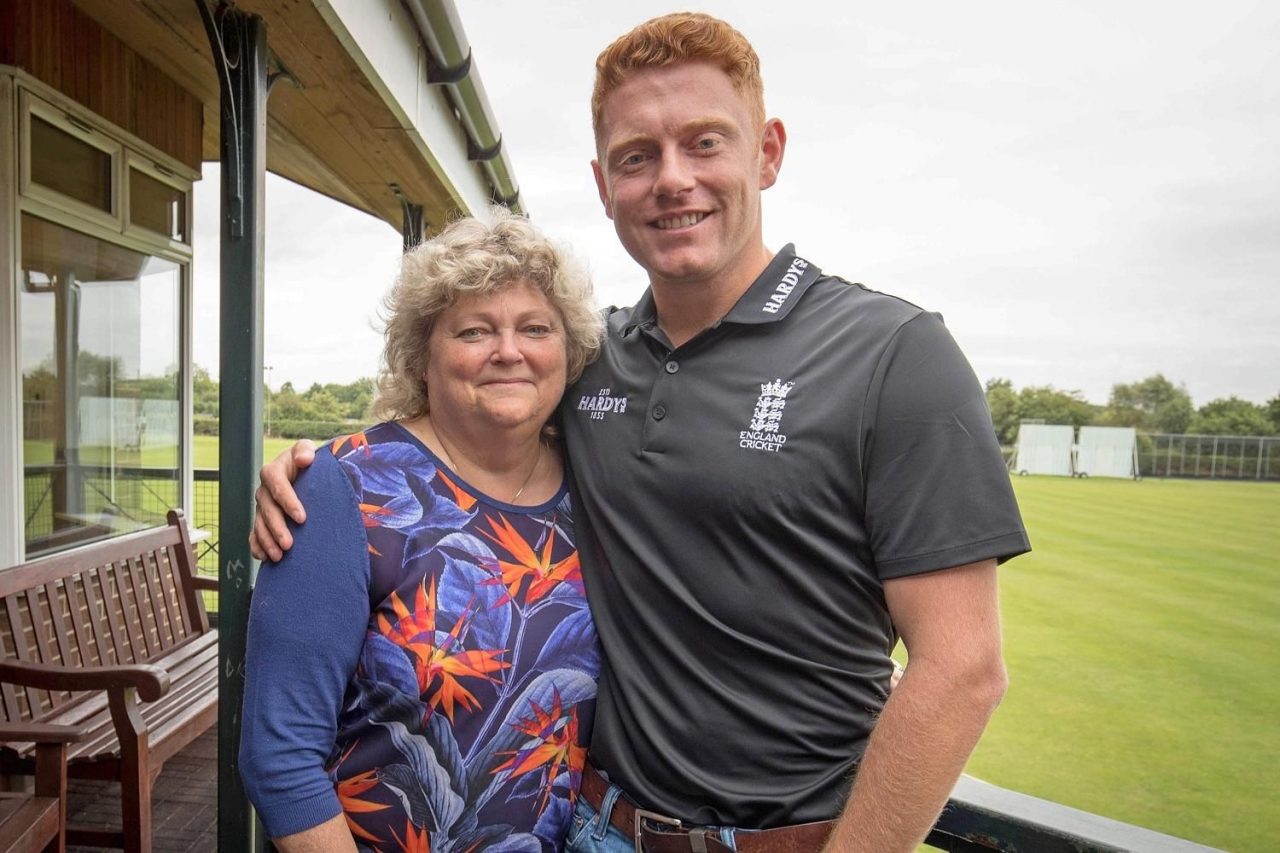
{"x":239,"y":43}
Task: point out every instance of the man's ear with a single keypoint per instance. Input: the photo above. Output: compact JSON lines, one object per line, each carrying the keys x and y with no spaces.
{"x":773,"y":144}
{"x":602,"y":187}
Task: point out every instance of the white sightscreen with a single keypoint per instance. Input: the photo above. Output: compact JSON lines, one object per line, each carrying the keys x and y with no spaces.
{"x":1106,"y":451}
{"x":1044,"y":449}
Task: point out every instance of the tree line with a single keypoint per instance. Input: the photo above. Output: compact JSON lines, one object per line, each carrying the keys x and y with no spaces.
{"x":323,"y":409}
{"x":1154,"y":404}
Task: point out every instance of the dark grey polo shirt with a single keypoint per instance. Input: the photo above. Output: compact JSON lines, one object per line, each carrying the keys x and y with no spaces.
{"x":741,"y":500}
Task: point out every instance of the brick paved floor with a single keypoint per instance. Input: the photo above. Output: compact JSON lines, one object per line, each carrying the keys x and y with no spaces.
{"x":184,"y":801}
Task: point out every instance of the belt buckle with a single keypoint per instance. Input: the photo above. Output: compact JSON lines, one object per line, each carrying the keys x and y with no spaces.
{"x":643,"y":815}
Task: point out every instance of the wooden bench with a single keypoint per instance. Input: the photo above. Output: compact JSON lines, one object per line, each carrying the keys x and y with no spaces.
{"x":85,"y":635}
{"x":32,"y":822}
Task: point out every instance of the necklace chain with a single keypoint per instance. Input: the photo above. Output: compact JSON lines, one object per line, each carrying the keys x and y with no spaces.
{"x":537,"y":460}
{"x":448,"y":457}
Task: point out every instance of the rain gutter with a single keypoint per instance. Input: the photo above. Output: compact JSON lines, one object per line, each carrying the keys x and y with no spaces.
{"x":450,"y":64}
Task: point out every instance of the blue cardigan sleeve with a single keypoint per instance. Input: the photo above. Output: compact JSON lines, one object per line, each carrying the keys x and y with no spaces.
{"x":307,"y":625}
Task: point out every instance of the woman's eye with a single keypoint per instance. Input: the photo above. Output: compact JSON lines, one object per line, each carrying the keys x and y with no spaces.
{"x":472,"y":334}
{"x":537,"y":331}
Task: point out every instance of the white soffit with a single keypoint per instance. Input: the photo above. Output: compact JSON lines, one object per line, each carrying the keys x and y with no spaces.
{"x":382,"y":39}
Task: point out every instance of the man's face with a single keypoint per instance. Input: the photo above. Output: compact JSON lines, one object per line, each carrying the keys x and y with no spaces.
{"x":681,"y":168}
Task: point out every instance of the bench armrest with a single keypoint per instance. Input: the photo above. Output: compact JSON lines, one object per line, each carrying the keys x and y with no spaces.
{"x":40,"y":733}
{"x":205,"y":582}
{"x":152,"y":682}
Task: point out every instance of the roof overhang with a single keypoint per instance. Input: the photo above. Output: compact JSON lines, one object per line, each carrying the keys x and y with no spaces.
{"x":353,"y":115}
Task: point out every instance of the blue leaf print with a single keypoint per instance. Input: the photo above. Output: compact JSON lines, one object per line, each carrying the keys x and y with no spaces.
{"x":352,"y":470}
{"x":438,"y":794}
{"x":408,"y":787}
{"x":571,"y":685}
{"x":401,"y":511}
{"x":463,"y":587}
{"x":468,"y":546}
{"x":554,"y":820}
{"x":440,"y":524}
{"x":438,"y":511}
{"x":440,"y":732}
{"x":520,"y":842}
{"x":388,"y":465}
{"x":384,"y":662}
{"x":572,"y":645}
{"x":477,"y":838}
{"x":385,"y":704}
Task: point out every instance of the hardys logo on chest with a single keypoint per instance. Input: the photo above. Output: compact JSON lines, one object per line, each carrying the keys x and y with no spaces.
{"x":601,"y":404}
{"x":765,"y":430}
{"x":789,"y":281}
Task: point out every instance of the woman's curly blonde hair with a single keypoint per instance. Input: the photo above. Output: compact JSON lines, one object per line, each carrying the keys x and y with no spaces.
{"x":476,"y":256}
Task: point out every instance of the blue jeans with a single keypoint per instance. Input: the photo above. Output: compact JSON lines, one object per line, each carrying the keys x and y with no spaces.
{"x":591,"y":832}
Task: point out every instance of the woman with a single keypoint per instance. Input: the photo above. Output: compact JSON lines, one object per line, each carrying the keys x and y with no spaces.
{"x":422,"y":666}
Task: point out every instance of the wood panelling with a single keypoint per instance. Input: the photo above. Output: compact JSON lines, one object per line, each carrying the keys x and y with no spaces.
{"x":331,"y":132}
{"x":60,"y":45}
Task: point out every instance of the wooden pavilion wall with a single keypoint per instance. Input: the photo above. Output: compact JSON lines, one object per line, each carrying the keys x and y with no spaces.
{"x":60,"y":45}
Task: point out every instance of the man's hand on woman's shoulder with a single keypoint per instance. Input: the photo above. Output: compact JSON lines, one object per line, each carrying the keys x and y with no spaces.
{"x":275,"y":498}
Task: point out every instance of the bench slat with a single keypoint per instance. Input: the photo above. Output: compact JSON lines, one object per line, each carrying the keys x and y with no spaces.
{"x":178,"y":621}
{"x":98,"y":624}
{"x":108,"y":598}
{"x":144,"y":605}
{"x":167,"y":633}
{"x":19,"y":636}
{"x":61,"y":636}
{"x":44,"y":643}
{"x":8,"y":695}
{"x":130,"y":610}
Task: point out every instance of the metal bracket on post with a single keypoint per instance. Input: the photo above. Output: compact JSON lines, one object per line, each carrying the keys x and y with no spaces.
{"x":227,"y":59}
{"x":413,"y":223}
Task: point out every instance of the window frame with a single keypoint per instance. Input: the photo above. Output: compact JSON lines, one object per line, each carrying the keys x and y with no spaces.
{"x":22,"y":96}
{"x":159,"y":172}
{"x":32,"y":105}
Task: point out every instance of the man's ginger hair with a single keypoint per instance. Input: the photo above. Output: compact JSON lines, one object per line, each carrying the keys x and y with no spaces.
{"x":677,"y":39}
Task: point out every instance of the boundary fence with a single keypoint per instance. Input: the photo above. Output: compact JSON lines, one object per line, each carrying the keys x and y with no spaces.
{"x":1215,"y":457}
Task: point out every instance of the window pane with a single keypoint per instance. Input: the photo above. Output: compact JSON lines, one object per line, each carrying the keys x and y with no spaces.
{"x":100,"y":382}
{"x":157,"y":206}
{"x":74,"y":168}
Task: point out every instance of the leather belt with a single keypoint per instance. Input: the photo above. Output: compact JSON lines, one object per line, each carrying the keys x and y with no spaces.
{"x":655,"y":833}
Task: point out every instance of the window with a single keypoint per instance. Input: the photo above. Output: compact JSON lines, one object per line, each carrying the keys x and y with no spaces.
{"x":101,"y":386}
{"x":157,"y":201}
{"x":103,"y":277}
{"x":70,"y":166}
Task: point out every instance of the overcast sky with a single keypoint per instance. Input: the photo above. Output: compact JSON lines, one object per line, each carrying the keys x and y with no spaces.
{"x":1089,"y":192}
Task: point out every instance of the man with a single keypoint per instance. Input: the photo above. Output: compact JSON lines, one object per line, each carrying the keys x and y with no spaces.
{"x":784,"y":472}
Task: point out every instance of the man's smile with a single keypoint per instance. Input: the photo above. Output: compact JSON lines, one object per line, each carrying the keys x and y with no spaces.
{"x":682,"y":221}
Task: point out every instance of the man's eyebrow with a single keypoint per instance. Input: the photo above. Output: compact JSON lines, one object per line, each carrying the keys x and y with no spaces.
{"x":690,"y":128}
{"x":626,"y":142}
{"x":702,"y":125}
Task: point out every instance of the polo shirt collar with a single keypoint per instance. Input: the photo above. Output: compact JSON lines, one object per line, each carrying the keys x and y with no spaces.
{"x":777,"y":290}
{"x":644,"y":313}
{"x":769,"y":299}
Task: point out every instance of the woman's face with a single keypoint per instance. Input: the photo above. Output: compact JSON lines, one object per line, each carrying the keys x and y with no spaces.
{"x":497,"y":360}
